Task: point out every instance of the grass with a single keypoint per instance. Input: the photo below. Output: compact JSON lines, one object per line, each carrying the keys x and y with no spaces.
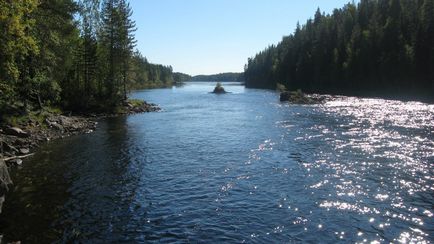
{"x":38,"y":117}
{"x":120,"y":109}
{"x":136,"y":102}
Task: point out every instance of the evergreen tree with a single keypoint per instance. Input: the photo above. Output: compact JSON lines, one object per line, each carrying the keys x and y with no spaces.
{"x":117,"y":37}
{"x":127,"y":41}
{"x":89,"y":27}
{"x":375,"y":47}
{"x":110,"y":42}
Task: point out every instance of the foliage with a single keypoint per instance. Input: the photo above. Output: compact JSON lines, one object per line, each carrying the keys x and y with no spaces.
{"x":33,"y":117}
{"x":147,"y":75}
{"x":375,"y":47}
{"x":77,"y":55}
{"x":16,"y":45}
{"x":180,"y":77}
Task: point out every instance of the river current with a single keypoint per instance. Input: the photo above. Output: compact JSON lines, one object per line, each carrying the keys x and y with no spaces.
{"x":234,"y":168}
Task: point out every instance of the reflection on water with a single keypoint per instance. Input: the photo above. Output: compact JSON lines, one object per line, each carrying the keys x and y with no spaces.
{"x":240,"y":167}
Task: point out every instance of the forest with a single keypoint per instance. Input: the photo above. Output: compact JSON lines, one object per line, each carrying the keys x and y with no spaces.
{"x":230,"y":76}
{"x":179,"y":77}
{"x":75,"y":55}
{"x":374,"y":47}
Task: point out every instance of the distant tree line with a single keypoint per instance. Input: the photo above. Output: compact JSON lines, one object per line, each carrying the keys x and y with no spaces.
{"x":219,"y":77}
{"x":77,"y":55}
{"x":147,"y":75}
{"x":181,"y":77}
{"x":378,"y":47}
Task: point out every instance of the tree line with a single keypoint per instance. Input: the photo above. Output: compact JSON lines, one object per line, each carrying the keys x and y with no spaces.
{"x":78,"y":55}
{"x":230,"y":76}
{"x":375,"y":47}
{"x":179,"y":77}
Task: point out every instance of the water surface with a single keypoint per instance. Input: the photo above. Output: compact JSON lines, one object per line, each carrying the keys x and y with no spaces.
{"x":238,"y":167}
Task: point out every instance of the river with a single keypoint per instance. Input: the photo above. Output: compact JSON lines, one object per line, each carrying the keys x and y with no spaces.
{"x":238,"y":167}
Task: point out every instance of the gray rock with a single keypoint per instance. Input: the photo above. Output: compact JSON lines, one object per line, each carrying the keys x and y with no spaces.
{"x":65,"y":121}
{"x":17,"y":161}
{"x":15,"y":131}
{"x":57,"y":126}
{"x":24,"y":150}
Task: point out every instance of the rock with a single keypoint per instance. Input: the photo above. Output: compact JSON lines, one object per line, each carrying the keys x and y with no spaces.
{"x":299,"y":97}
{"x":24,"y":150}
{"x":57,"y":126}
{"x":17,"y":161}
{"x":9,"y":148}
{"x":285,"y":96}
{"x":65,"y":121}
{"x":2,"y":200}
{"x":15,"y":131}
{"x":39,"y":138}
{"x":5,"y":179}
{"x":219,"y":90}
{"x":20,"y":142}
{"x":138,"y":107}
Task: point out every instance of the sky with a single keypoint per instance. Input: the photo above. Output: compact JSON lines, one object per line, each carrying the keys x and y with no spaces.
{"x":215,"y":36}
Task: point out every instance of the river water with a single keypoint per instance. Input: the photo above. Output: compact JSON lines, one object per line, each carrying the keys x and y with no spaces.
{"x":238,"y":167}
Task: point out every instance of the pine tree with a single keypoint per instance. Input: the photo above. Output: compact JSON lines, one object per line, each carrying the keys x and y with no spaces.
{"x":89,"y":27}
{"x":376,"y":46}
{"x":109,"y":40}
{"x":127,"y":42}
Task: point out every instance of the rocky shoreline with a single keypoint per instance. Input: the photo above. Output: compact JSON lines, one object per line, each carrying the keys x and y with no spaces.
{"x":20,"y":141}
{"x":298,"y":97}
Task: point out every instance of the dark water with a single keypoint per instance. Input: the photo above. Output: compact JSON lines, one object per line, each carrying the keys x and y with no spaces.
{"x":238,"y":167}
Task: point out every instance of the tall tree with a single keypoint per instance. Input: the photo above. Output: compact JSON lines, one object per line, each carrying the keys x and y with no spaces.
{"x":16,"y":45}
{"x":55,"y":30}
{"x":110,"y":42}
{"x":89,"y":27}
{"x":127,"y":41}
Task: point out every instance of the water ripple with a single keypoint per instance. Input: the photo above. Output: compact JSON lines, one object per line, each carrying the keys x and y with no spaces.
{"x":235,"y":168}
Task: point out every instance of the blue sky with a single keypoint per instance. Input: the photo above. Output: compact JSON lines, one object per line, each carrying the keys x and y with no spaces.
{"x":214,"y":36}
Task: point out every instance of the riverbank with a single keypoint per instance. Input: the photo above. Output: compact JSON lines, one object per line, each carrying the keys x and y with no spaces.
{"x":20,"y":139}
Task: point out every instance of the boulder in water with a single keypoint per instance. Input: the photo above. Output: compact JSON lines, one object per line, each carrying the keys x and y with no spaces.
{"x":298,"y":97}
{"x":219,"y":89}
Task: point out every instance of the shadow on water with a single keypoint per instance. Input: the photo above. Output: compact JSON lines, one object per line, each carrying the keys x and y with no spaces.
{"x":45,"y":204}
{"x":35,"y":200}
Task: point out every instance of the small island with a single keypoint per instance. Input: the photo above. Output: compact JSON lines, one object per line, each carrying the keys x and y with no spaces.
{"x":219,"y":89}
